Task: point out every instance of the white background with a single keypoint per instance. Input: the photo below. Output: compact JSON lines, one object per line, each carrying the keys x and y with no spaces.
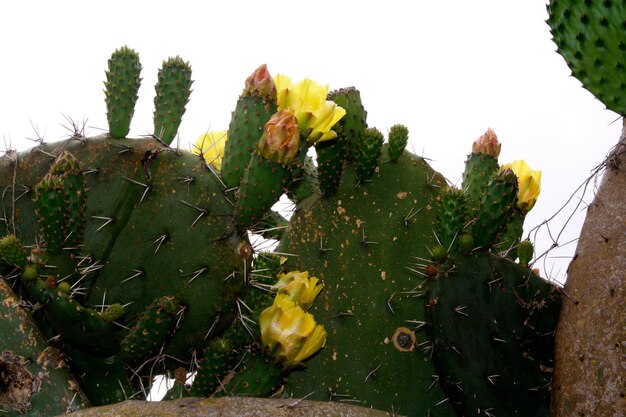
{"x":448,"y":70}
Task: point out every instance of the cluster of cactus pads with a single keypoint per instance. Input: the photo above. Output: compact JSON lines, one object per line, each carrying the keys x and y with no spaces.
{"x":388,"y":288}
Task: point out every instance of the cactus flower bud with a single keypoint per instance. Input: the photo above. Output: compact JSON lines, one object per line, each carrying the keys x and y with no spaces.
{"x":528,"y":183}
{"x":290,"y":334}
{"x":301,"y":289}
{"x":211,"y":147}
{"x":487,"y":144}
{"x":261,"y":84}
{"x":280,"y":141}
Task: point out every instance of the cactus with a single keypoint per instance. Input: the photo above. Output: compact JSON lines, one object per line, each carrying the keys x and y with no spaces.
{"x":121,"y":89}
{"x":345,"y":309}
{"x":492,"y":324}
{"x":172,"y":94}
{"x":590,"y":37}
{"x":363,"y":243}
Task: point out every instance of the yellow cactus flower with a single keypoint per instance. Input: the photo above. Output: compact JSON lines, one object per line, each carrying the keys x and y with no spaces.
{"x":290,"y":334}
{"x":316,"y":116}
{"x":528,"y":183}
{"x":301,"y":289}
{"x":211,"y":147}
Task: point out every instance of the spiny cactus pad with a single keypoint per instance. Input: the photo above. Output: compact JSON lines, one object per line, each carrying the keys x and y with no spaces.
{"x":591,"y":37}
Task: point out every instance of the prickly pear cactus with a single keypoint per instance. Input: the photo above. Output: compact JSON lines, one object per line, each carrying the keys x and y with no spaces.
{"x":132,"y":256}
{"x":590,"y":37}
{"x":136,"y":260}
{"x":366,"y":243}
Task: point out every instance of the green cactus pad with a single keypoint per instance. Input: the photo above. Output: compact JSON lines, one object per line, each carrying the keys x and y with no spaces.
{"x":151,"y":330}
{"x":69,"y":170}
{"x":495,"y":208}
{"x":330,"y":160}
{"x":590,"y":36}
{"x":172,"y":94}
{"x":244,"y":132}
{"x":492,"y":324}
{"x":35,"y":379}
{"x":451,"y":217}
{"x":12,"y":252}
{"x":398,"y":138}
{"x":145,"y":206}
{"x":368,"y":153}
{"x":262,"y":185}
{"x":354,"y":122}
{"x":479,"y":168}
{"x":49,"y":197}
{"x":217,"y":360}
{"x":257,"y":376}
{"x":365,"y":245}
{"x":120,"y":89}
{"x":76,"y":324}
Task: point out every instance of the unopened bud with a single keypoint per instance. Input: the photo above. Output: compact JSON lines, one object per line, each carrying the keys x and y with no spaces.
{"x":487,"y":144}
{"x":280,"y":141}
{"x":261,"y":84}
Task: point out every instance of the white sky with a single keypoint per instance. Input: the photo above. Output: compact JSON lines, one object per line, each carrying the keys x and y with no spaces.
{"x":448,"y":70}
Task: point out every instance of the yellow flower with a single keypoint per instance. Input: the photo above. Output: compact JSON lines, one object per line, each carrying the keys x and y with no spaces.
{"x":528,"y":184}
{"x":211,"y":147}
{"x":301,"y":289}
{"x":290,"y":334}
{"x":307,"y":99}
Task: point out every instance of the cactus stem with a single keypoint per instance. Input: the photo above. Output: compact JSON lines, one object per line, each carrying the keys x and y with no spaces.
{"x":137,"y":273}
{"x":141,"y":184}
{"x":410,"y":215}
{"x":372,"y":373}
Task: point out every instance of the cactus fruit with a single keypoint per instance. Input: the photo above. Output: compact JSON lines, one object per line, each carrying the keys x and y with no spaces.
{"x":121,"y":88}
{"x":172,"y":94}
{"x":590,"y":37}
